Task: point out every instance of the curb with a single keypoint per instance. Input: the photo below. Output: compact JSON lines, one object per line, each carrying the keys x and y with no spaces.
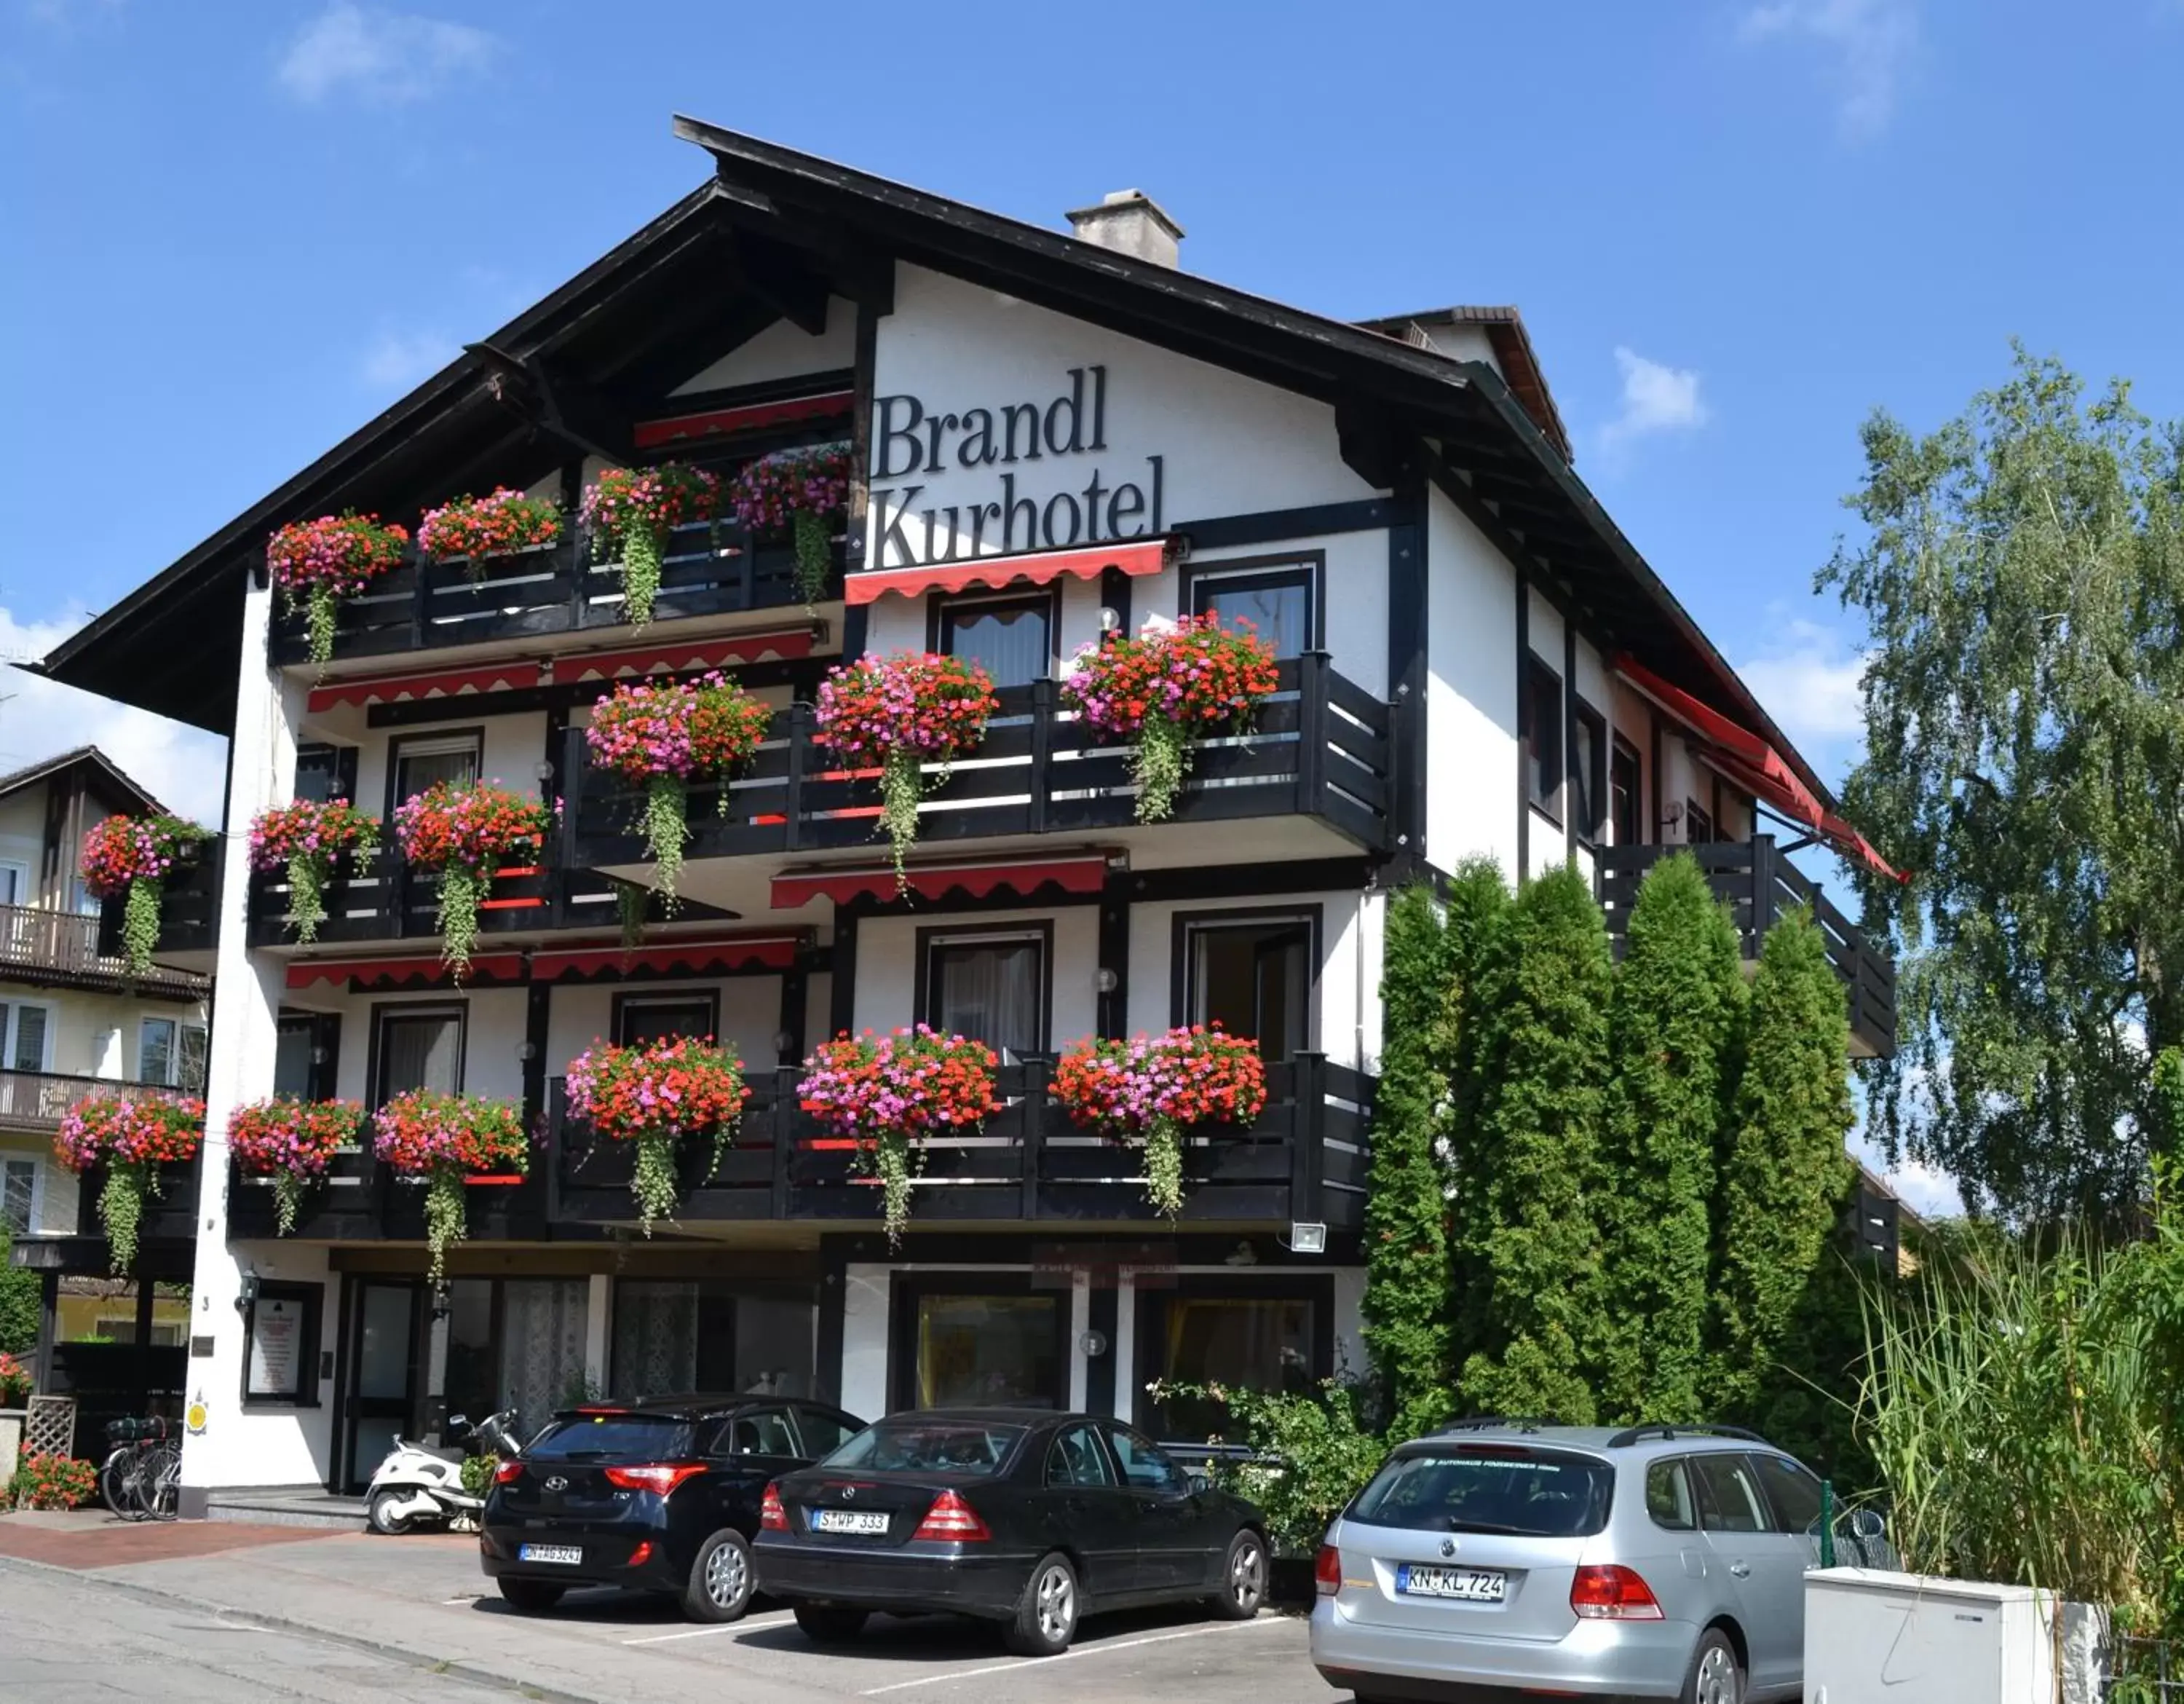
{"x":454,"y":1668}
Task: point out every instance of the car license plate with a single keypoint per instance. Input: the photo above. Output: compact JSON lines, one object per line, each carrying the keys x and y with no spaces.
{"x":871,"y":1521}
{"x":571,"y":1554}
{"x":1473,"y":1585}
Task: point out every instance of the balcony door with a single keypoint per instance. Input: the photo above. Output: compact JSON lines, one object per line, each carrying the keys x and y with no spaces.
{"x":418,"y":1047}
{"x":383,"y":1342}
{"x":989,"y":984}
{"x":1252,"y":976}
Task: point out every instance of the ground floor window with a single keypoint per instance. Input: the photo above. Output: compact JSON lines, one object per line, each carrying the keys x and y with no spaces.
{"x":515,"y":1342}
{"x":709,"y":1334}
{"x":18,"y":1195}
{"x":961,"y":1344}
{"x":1276,"y":1339}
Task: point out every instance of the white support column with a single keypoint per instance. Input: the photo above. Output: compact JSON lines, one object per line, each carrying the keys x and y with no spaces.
{"x":599,"y":1311}
{"x":1124,"y":1348}
{"x":1080,"y":1322}
{"x":245,"y":1029}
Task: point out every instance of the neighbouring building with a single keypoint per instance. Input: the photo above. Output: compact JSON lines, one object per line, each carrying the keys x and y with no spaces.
{"x":1054,"y":436}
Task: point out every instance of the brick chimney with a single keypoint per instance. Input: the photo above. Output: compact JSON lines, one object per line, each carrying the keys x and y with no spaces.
{"x":1130,"y":222}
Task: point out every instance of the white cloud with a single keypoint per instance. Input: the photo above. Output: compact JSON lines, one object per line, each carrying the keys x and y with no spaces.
{"x":184,"y":767}
{"x":1868,"y":42}
{"x":1926,"y":1190}
{"x":395,"y":361}
{"x":1807,"y":680}
{"x":1656,"y":398}
{"x":384,"y":58}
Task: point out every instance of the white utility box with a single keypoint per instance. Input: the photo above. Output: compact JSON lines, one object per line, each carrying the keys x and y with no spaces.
{"x":1877,"y":1638}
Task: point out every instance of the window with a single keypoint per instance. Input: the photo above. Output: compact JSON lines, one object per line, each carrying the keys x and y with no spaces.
{"x":822,"y":1432}
{"x":1249,"y":1343}
{"x":18,"y":1194}
{"x":24,"y":1028}
{"x":930,"y":1446}
{"x":1252,"y":976}
{"x":976,"y":1351}
{"x":416,"y":1047}
{"x":1145,"y":1467}
{"x":1543,"y":737}
{"x":293,"y":1042}
{"x":1012,"y":639}
{"x":642,"y":1017}
{"x":1075,"y":1458}
{"x":14,"y":884}
{"x":1490,"y":1487}
{"x":171,"y":1053}
{"x":325,"y":772}
{"x":1588,"y":759}
{"x":1668,"y":1497}
{"x":1279,"y":602}
{"x":757,"y":1432}
{"x":1729,"y":1499}
{"x":420,"y":762}
{"x":1625,"y":809}
{"x":1792,"y":1491}
{"x":989,"y":984}
{"x":1699,"y":823}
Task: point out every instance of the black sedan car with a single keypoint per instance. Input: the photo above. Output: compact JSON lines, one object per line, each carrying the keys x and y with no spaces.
{"x":1016,"y":1516}
{"x":661,"y":1496}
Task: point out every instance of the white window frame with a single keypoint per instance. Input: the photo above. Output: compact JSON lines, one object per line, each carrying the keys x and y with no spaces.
{"x":22,"y":872}
{"x":12,"y":1022}
{"x":37,"y":1217}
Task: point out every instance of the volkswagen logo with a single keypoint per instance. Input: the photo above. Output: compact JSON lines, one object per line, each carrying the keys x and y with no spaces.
{"x":557,"y":1484}
{"x":1447,"y":1546}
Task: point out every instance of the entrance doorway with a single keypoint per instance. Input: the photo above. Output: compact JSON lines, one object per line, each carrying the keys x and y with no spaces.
{"x":384,"y":1335}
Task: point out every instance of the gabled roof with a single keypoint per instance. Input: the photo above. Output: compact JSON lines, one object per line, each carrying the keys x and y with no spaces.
{"x":726,"y":259}
{"x":1512,"y":351}
{"x":88,"y":758}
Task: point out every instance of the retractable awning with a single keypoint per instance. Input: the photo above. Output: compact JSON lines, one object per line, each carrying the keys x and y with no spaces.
{"x":1080,"y":874}
{"x":716,"y":956}
{"x":403,"y":973}
{"x":1749,"y":761}
{"x":1132,"y":556}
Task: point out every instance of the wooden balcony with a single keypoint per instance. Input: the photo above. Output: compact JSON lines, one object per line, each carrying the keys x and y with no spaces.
{"x":425,"y":606}
{"x":72,"y":949}
{"x":1320,"y":749}
{"x":1760,"y":883}
{"x":170,"y":1216}
{"x":361,"y":1200}
{"x":189,"y":914}
{"x":40,"y":1100}
{"x":1303,"y":1160}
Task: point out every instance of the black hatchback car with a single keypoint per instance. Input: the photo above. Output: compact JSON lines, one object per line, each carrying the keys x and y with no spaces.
{"x":1021,"y":1517}
{"x":661,"y":1496}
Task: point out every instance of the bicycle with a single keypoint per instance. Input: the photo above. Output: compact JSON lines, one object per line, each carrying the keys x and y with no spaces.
{"x":141,"y":1476}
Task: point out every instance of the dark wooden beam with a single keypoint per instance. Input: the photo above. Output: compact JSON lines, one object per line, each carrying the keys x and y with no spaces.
{"x":563,"y":407}
{"x":780,"y":280}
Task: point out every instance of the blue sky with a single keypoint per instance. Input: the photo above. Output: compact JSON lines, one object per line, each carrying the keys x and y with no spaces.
{"x":1733,"y":227}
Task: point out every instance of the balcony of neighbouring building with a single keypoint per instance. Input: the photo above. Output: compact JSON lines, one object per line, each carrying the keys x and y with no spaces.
{"x":1759,"y":883}
{"x":73,"y":949}
{"x":189,"y":926}
{"x":553,"y":588}
{"x":40,"y":1100}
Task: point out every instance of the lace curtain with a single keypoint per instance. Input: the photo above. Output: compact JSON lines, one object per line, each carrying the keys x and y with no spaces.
{"x":542,"y":1348}
{"x":656,"y":1338}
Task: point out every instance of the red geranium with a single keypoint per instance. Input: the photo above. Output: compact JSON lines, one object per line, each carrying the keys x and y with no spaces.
{"x":443,"y":1138}
{"x":466,"y":834}
{"x":316,"y":563}
{"x":292,"y":1141}
{"x":633,"y":510}
{"x":899,"y":713}
{"x":1151,"y":1089}
{"x":478,"y":528}
{"x":132,"y":1139}
{"x":654,"y":1095}
{"x":305,"y":838}
{"x":662,"y":737}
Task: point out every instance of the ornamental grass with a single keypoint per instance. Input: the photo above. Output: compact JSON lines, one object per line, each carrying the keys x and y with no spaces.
{"x":801,"y":493}
{"x":132,"y":1139}
{"x":445,"y":1138}
{"x":1149,"y":1091}
{"x":132,"y":856}
{"x":466,"y":834}
{"x":658,"y":1095}
{"x":889,"y":1093}
{"x":292,"y":1141}
{"x":317,"y":563}
{"x":662,"y":737}
{"x":897,"y":714}
{"x":305,"y":838}
{"x":1167,"y":688}
{"x":631,"y":512}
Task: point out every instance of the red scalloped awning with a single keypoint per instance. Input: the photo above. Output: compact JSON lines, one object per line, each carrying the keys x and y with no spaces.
{"x":1084,"y":875}
{"x":753,"y":416}
{"x":393,"y":973}
{"x":1039,"y":567}
{"x":1748,"y":760}
{"x":684,"y":658}
{"x":719,"y":956}
{"x":399,"y":689}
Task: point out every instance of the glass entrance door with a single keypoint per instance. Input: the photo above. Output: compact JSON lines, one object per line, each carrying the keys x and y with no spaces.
{"x":382,"y":1402}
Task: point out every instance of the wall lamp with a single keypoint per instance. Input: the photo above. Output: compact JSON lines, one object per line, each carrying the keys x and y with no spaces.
{"x":245,"y":1293}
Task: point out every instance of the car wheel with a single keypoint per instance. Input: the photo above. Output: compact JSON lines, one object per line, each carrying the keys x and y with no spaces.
{"x":721,"y":1579}
{"x":532,"y":1597}
{"x":1716,"y":1676}
{"x":830,"y":1624}
{"x":1045,"y":1620}
{"x":381,"y":1515}
{"x":1243,"y":1578}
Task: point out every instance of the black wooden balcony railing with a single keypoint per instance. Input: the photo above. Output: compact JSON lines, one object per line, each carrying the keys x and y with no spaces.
{"x":358,"y":1199}
{"x":1318,"y":748}
{"x":189,"y":910}
{"x":1760,"y":883}
{"x":170,"y":1215}
{"x":1304,"y":1159}
{"x":558,"y":588}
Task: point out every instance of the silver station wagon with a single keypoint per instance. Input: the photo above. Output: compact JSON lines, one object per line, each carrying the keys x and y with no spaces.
{"x":1499,"y":1561}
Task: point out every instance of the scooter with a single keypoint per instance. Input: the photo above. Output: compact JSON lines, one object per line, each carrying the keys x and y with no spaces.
{"x":420,"y":1484}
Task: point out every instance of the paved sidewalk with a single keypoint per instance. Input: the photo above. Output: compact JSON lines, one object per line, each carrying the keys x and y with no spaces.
{"x":85,"y":1538}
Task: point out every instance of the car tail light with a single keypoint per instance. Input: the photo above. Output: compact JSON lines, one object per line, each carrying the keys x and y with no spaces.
{"x":772,"y":1517}
{"x":641,"y":1555}
{"x":952,"y":1519}
{"x":1611,"y":1592}
{"x":1327,"y":1571}
{"x":507,"y":1473}
{"x":662,"y":1477}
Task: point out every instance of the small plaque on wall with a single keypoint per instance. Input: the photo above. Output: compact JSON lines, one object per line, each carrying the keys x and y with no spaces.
{"x":200,"y":1349}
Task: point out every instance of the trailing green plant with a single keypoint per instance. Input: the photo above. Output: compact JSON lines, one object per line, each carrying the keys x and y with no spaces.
{"x":316,"y":564}
{"x":803,"y":492}
{"x":1672,"y":1046}
{"x":1310,"y":1454}
{"x":304,"y":839}
{"x":631,"y":512}
{"x":132,"y":856}
{"x":1782,"y":1167}
{"x":1530,"y":1225}
{"x":133,"y":1140}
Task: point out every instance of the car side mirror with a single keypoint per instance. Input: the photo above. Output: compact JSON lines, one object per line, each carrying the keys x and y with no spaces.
{"x":1866,"y":1524}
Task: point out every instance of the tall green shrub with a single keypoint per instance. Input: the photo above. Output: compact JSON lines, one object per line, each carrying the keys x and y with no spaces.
{"x":1783,"y":1169}
{"x":1476,"y":912}
{"x":19,"y":1296}
{"x":1671,"y":1061}
{"x":1527,"y":1224}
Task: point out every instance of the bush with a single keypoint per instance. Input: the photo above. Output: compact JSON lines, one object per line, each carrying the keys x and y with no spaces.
{"x":477,"y":1474}
{"x":1310,"y":1455}
{"x":52,"y":1482}
{"x":18,"y":1305}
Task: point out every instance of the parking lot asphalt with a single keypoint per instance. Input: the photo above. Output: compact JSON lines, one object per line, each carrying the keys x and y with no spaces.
{"x":425,"y":1600}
